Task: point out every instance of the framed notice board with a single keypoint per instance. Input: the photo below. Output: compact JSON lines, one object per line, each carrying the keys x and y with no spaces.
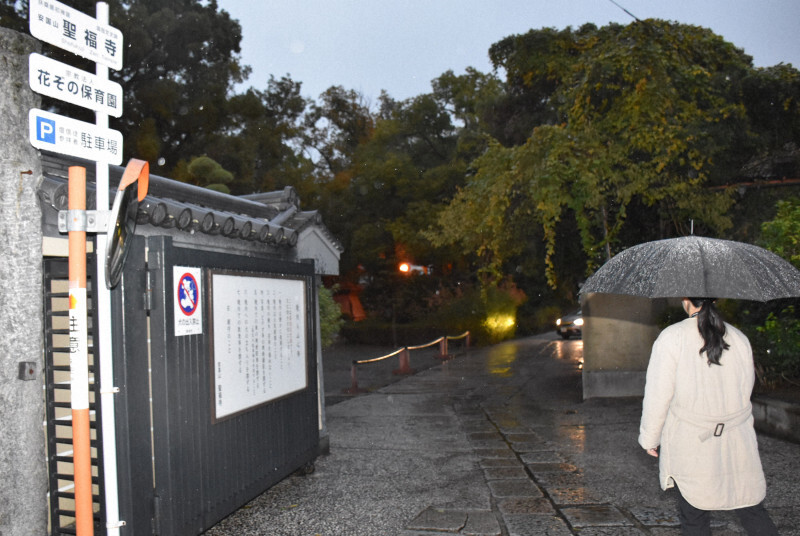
{"x":259,"y":340}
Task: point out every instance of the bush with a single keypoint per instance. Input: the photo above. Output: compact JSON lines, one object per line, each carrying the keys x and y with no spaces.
{"x":330,"y":316}
{"x":776,"y":347}
{"x":380,"y":333}
{"x":776,"y":343}
{"x":538,"y":320}
{"x":489,"y":316}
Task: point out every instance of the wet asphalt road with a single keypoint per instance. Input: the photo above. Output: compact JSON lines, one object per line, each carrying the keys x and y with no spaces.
{"x":496,"y":441}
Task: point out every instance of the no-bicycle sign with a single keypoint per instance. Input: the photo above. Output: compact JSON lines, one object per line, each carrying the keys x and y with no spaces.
{"x":188,"y":310}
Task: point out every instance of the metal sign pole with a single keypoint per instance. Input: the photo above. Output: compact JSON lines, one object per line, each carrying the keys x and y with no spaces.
{"x":79,"y":353}
{"x":104,"y":352}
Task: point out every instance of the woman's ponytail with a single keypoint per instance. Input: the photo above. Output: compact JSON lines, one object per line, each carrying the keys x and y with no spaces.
{"x":712,"y":328}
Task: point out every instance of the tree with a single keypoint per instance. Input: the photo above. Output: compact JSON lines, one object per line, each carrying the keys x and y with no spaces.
{"x":204,"y":171}
{"x":262,"y":141}
{"x":336,"y":126}
{"x":537,"y":64}
{"x":400,"y":177}
{"x":180,"y":66}
{"x":772,"y":98}
{"x":635,"y":116}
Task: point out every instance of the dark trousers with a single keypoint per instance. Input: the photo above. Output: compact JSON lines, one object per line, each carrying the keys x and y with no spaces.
{"x":696,"y":522}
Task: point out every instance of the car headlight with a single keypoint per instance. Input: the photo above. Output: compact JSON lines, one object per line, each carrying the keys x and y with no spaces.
{"x":558,"y":322}
{"x":579,"y":321}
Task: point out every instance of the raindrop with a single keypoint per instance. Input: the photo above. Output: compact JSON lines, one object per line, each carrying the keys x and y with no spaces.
{"x":201,"y":108}
{"x":162,"y":161}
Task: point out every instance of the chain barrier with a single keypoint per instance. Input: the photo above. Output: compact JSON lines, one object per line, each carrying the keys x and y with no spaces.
{"x":404,"y":359}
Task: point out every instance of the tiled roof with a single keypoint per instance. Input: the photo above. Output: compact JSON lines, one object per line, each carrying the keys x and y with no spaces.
{"x":273,"y":219}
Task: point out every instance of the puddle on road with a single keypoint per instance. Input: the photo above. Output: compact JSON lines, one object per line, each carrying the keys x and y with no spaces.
{"x":501,"y":359}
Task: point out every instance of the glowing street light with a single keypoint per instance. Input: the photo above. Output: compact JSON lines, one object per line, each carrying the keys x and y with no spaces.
{"x":408,"y":268}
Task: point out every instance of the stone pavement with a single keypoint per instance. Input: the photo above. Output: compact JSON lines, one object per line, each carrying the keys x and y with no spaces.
{"x":496,"y":441}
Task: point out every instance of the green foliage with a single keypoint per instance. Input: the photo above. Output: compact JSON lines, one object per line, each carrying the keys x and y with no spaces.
{"x":181,"y":61}
{"x":489,"y":313}
{"x":259,"y":144}
{"x":378,"y":332}
{"x":781,"y":235}
{"x":595,"y":140}
{"x":181,"y":65}
{"x":777,"y":348}
{"x":643,"y":113}
{"x":537,"y":319}
{"x":330,"y":316}
{"x":204,"y":171}
{"x":777,"y":338}
{"x":772,"y":98}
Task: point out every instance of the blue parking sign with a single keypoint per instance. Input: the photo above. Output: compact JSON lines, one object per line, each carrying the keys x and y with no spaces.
{"x":45,"y":130}
{"x":53,"y":132}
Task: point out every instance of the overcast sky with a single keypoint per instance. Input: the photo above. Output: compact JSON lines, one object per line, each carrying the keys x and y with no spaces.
{"x":402,"y":45}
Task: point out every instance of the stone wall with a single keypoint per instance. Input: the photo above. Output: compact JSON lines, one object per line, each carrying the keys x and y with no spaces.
{"x":618,"y":335}
{"x":23,"y":494}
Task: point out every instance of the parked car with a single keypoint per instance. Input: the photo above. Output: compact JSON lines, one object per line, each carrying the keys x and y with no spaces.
{"x":569,"y":325}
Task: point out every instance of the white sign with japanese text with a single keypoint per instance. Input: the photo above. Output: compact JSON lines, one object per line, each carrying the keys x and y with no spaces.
{"x":259,"y":338}
{"x":188,"y":285}
{"x":67,"y":28}
{"x":73,"y":85}
{"x":52,"y":132}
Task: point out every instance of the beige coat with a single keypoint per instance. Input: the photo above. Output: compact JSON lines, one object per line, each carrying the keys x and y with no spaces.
{"x":702,"y":418}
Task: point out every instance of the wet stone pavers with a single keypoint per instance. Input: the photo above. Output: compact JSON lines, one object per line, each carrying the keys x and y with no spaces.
{"x":542,"y":463}
{"x":534,"y":491}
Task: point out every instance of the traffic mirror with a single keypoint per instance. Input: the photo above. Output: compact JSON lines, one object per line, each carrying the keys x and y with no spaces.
{"x":132,"y":190}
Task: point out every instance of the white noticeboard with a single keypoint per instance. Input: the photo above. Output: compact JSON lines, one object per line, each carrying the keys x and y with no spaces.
{"x":69,"y":29}
{"x":259,"y":340}
{"x":73,"y":85}
{"x":188,"y":314}
{"x":60,"y":134}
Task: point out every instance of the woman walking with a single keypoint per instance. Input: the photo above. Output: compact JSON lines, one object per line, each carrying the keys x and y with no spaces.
{"x":697,"y":410}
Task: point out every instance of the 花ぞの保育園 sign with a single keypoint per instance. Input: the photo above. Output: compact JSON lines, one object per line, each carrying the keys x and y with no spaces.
{"x":75,"y":86}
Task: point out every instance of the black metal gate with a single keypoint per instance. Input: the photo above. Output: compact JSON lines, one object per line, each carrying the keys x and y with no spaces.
{"x":58,"y":414}
{"x":180,"y":469}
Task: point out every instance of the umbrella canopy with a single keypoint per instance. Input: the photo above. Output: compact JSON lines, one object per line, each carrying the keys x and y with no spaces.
{"x":697,"y":267}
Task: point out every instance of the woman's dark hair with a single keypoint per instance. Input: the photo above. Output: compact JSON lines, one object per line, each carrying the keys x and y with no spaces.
{"x":712,"y":328}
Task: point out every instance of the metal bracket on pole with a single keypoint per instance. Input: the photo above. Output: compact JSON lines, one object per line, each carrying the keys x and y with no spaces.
{"x":90,"y":221}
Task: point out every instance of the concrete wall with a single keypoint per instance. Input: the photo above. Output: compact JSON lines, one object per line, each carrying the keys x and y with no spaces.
{"x":778,"y":418}
{"x":618,"y":334}
{"x":22,"y":444}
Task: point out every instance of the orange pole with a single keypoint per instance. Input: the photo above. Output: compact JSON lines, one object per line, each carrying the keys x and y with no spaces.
{"x":79,"y":360}
{"x":405,"y":363}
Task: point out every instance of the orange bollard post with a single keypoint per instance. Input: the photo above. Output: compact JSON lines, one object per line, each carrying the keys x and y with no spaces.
{"x":443,"y":349}
{"x":79,"y":360}
{"x":405,"y":363}
{"x":354,"y":388}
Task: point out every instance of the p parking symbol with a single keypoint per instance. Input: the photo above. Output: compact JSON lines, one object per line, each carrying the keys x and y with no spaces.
{"x":45,"y":130}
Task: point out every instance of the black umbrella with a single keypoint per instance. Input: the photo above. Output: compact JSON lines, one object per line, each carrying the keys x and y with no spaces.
{"x":695,"y":266}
